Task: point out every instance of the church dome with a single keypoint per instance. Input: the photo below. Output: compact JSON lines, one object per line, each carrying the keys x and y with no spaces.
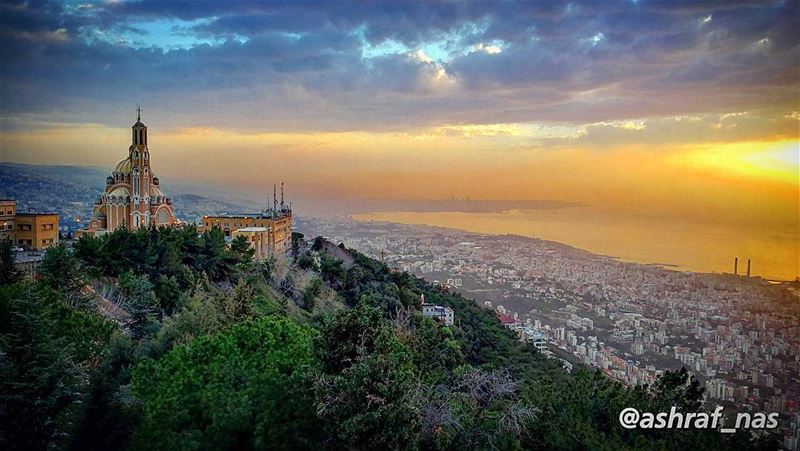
{"x":123,"y":166}
{"x":155,"y":191}
{"x":120,"y":191}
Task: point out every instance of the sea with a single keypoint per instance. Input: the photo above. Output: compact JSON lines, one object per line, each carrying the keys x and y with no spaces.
{"x":691,"y":245}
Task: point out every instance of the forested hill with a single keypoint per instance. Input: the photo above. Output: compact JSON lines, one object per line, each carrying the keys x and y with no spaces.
{"x":169,"y":339}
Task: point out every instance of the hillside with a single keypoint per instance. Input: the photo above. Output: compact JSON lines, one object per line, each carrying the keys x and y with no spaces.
{"x":169,"y":339}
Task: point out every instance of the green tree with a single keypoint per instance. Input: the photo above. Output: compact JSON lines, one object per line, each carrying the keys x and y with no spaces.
{"x":297,"y":240}
{"x":60,"y":270}
{"x":319,"y":243}
{"x":385,"y":296}
{"x":310,"y":293}
{"x":169,"y":294}
{"x":47,"y":348}
{"x":332,"y":270}
{"x":163,"y":254}
{"x":140,"y":304}
{"x":305,"y":261}
{"x":435,"y":351}
{"x":39,"y":384}
{"x":364,"y":392}
{"x":202,"y":315}
{"x":676,"y":388}
{"x":242,"y":249}
{"x":217,"y":260}
{"x":110,"y":411}
{"x":8,"y":272}
{"x":480,"y":410}
{"x":242,"y":389}
{"x":88,"y":250}
{"x":266,"y":268}
{"x":239,"y":304}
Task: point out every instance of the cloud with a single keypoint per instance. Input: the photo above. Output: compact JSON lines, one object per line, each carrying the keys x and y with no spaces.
{"x":314,"y":65}
{"x":682,"y":130}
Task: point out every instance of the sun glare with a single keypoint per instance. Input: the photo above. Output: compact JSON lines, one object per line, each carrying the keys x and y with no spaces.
{"x":777,"y":161}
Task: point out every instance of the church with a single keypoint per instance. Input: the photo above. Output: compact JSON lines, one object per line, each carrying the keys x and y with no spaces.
{"x":133,"y":196}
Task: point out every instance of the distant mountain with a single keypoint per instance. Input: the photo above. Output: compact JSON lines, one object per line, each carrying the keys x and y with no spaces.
{"x":191,"y":207}
{"x":85,"y":176}
{"x":71,"y":191}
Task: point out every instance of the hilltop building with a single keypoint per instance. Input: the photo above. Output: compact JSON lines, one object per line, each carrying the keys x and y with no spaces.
{"x":269,"y":231}
{"x":8,"y":210}
{"x":28,"y":230}
{"x":443,"y":314}
{"x":536,"y":338}
{"x":133,"y":196}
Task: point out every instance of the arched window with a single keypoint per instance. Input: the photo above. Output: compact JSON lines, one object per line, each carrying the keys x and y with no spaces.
{"x":162,"y":217}
{"x":136,"y":181}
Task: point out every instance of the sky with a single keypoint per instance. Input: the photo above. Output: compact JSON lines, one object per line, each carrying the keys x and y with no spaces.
{"x":660,"y":108}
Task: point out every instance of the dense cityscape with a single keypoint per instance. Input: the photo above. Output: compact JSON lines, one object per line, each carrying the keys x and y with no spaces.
{"x":740,"y":336}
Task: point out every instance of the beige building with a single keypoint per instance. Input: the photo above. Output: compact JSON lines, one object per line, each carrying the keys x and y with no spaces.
{"x":260,"y":240}
{"x":269,"y":231}
{"x":30,"y":230}
{"x":36,"y":230}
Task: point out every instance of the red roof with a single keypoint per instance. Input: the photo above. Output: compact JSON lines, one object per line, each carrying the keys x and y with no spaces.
{"x":507,"y":319}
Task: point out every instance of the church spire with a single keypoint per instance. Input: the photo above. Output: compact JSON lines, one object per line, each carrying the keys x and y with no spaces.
{"x":139,"y":129}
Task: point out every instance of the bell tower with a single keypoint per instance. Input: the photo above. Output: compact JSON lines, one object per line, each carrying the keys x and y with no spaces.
{"x":139,"y":130}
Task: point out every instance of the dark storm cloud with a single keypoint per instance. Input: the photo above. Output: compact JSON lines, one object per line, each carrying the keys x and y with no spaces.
{"x":300,"y":65}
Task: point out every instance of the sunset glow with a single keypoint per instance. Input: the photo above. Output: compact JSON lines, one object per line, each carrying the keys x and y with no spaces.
{"x":686,"y":112}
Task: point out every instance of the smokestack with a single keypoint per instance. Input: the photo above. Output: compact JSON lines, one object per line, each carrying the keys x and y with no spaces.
{"x":748,"y":267}
{"x":736,"y":266}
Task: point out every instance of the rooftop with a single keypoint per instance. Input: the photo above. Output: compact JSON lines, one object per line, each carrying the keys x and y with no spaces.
{"x":507,"y":319}
{"x":28,"y":257}
{"x":37,"y":213}
{"x":261,"y":215}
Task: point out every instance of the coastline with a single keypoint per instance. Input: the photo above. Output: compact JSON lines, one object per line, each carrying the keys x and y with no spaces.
{"x":428,"y":219}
